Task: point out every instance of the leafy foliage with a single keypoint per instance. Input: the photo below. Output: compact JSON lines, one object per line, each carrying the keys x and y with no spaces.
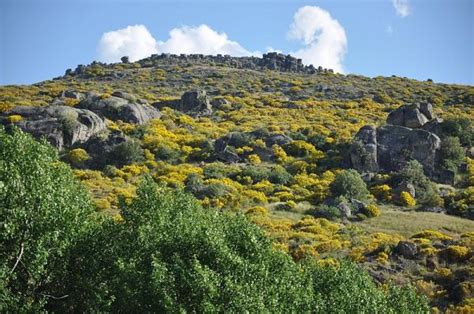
{"x":164,"y":252}
{"x":43,"y":211}
{"x":349,"y":184}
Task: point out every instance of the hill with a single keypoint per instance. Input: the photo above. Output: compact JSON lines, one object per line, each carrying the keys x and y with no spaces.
{"x":276,"y":140}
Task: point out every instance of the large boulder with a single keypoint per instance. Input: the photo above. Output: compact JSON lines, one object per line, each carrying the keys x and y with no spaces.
{"x":62,"y":126}
{"x":411,"y":116}
{"x":195,"y":103}
{"x":410,"y":133}
{"x":396,"y":145}
{"x":364,"y":152}
{"x":120,"y":106}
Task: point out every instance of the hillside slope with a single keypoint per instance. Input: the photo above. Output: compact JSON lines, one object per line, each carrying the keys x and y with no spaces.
{"x":271,"y":138}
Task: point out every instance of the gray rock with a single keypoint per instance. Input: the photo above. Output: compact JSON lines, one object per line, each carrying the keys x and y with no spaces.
{"x":435,"y":126}
{"x":406,"y":249}
{"x":122,"y":106}
{"x":412,"y":115}
{"x":195,"y":103}
{"x":406,"y":187}
{"x":62,"y":126}
{"x":470,"y":152}
{"x":358,"y":206}
{"x":344,"y":209}
{"x":70,"y":93}
{"x":427,"y":110}
{"x":397,"y":145}
{"x":414,"y":119}
{"x":389,"y":147}
{"x":278,"y":139}
{"x":396,"y":117}
{"x":364,"y":150}
{"x":227,"y":156}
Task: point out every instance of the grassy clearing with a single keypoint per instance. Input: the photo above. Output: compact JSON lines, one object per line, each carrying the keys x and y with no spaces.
{"x":407,"y":223}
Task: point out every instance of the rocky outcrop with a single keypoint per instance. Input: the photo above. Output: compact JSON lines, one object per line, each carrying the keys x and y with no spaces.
{"x":269,"y":61}
{"x":120,"y":106}
{"x":62,"y":126}
{"x":411,"y":116}
{"x":195,"y":103}
{"x":406,"y":249}
{"x":409,"y":134}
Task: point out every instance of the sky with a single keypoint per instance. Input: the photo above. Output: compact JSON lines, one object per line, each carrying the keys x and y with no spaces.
{"x":420,"y":39}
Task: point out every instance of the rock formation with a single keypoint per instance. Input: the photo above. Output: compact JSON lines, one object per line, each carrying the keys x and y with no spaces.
{"x":195,"y":103}
{"x":62,"y":126}
{"x":410,"y":133}
{"x":269,"y":61}
{"x":120,"y":106}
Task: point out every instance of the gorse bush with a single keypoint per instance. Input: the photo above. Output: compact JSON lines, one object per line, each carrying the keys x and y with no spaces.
{"x":163,"y":253}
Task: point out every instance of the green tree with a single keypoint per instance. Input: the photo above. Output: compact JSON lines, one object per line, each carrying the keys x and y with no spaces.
{"x":164,"y":253}
{"x":349,"y":184}
{"x":452,"y":153}
{"x":43,"y":210}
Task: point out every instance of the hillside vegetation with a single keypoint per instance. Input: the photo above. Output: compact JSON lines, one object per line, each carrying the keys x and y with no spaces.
{"x":220,"y":179}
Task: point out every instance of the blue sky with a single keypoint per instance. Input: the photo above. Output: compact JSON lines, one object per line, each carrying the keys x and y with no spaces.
{"x":40,"y":39}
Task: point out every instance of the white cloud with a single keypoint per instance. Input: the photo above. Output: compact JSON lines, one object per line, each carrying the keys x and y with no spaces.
{"x":136,"y":42}
{"x":402,"y":7}
{"x":201,"y":39}
{"x":324,"y":38}
{"x":390,"y":29}
{"x":271,"y":49}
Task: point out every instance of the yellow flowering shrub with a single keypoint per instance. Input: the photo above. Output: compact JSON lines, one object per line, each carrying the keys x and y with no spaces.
{"x":382,"y":258}
{"x":303,"y":251}
{"x":406,"y":199}
{"x":14,"y":118}
{"x":78,"y":156}
{"x":372,"y":210}
{"x":382,"y":192}
{"x":280,"y":154}
{"x":255,"y":196}
{"x":284,"y":196}
{"x":432,"y":235}
{"x":254,"y":159}
{"x":456,"y":253}
{"x":257,"y":210}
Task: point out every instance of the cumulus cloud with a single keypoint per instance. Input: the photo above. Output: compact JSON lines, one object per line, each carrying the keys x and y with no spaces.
{"x":201,"y":39}
{"x":137,"y":43}
{"x":324,"y":38}
{"x":402,"y":7}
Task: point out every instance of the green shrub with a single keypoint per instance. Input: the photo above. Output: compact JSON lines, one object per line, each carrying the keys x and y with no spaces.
{"x":426,"y":191}
{"x":349,"y":184}
{"x":452,"y":153}
{"x":462,"y":128}
{"x":126,"y":153}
